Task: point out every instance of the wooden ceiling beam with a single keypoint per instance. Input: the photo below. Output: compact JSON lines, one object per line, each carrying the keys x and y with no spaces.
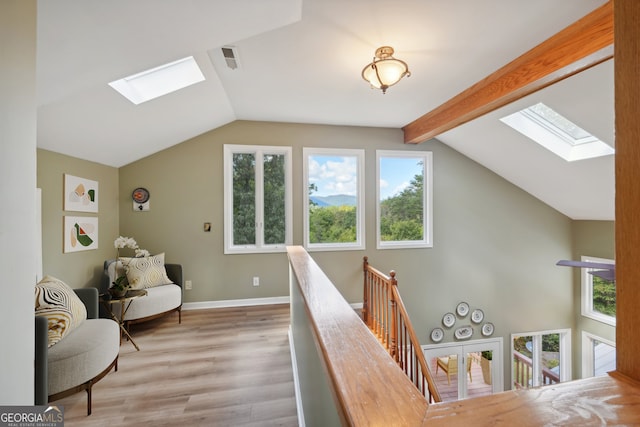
{"x":581,"y":45}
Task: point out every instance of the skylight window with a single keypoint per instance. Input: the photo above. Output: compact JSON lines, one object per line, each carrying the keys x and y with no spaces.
{"x":557,"y":133}
{"x":153,"y":83}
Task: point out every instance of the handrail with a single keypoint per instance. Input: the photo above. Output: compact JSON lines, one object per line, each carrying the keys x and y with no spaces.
{"x":522,"y":372}
{"x":386,"y":316}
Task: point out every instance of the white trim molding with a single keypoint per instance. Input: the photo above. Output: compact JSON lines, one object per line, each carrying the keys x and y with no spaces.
{"x":235,"y":303}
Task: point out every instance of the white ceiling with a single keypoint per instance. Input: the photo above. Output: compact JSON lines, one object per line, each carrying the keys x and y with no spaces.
{"x":300,"y":61}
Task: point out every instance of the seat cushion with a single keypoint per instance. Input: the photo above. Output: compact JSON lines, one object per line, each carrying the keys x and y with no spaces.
{"x":158,"y":300}
{"x":82,"y":354}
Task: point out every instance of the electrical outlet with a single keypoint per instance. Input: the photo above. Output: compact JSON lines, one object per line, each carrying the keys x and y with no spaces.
{"x":188,"y":285}
{"x":256,"y":281}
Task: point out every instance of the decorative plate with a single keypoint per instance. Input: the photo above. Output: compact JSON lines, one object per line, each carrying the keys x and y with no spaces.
{"x":462,"y":309}
{"x":449,"y":320}
{"x":463,"y":332}
{"x":487,"y":329}
{"x":140,"y":195}
{"x":477,"y":315}
{"x":437,"y":334}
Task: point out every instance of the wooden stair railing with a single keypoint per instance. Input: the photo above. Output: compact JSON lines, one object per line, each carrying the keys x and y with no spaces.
{"x":386,"y":316}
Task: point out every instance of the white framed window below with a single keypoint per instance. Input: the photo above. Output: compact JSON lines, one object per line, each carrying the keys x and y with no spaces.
{"x":598,"y":355}
{"x":540,"y":358}
{"x":257,"y":199}
{"x":404,"y":211}
{"x":333,"y":199}
{"x":598,"y":295}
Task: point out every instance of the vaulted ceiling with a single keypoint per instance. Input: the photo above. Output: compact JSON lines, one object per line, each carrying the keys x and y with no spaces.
{"x":300,"y":61}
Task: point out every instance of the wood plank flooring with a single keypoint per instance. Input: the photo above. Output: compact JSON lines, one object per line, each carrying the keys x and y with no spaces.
{"x":220,"y":367}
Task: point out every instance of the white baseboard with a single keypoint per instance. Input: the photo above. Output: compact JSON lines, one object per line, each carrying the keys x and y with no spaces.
{"x":357,"y":305}
{"x":296,"y":381}
{"x":235,"y":303}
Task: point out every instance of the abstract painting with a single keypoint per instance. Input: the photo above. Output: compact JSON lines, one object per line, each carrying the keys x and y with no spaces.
{"x":80,"y":233}
{"x":80,"y":194}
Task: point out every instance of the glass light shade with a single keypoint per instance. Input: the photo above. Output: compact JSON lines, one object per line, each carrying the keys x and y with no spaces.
{"x":385,"y":70}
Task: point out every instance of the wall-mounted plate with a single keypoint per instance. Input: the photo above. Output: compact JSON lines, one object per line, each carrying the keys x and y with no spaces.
{"x":462,"y":309}
{"x":487,"y":329}
{"x":477,"y":315}
{"x":463,"y":332}
{"x":448,"y":320}
{"x":437,"y":334}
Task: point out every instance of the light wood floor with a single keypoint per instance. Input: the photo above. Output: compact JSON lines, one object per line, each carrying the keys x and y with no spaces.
{"x":220,"y":367}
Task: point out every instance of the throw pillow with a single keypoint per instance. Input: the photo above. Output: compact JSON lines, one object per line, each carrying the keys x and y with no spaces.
{"x":146,"y":272}
{"x":62,"y":307}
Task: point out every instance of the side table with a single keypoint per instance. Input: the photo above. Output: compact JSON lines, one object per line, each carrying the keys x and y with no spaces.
{"x":108,"y":301}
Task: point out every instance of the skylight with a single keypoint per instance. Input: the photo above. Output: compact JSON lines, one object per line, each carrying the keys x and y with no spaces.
{"x":153,"y":83}
{"x":557,"y":133}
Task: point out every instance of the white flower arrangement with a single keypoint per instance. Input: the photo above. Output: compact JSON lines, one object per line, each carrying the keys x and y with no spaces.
{"x":121,"y":285}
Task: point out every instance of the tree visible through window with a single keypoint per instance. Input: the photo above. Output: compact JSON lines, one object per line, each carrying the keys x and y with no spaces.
{"x":257,"y":198}
{"x":404,"y":199}
{"x":334,"y":217}
{"x":598,"y":295}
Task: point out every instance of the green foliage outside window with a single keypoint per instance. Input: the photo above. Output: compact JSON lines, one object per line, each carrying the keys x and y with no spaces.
{"x":332,"y":224}
{"x":244,"y":199}
{"x":604,"y":296}
{"x":402,"y":215}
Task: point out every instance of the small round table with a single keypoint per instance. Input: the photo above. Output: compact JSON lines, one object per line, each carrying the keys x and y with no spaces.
{"x":125,"y":301}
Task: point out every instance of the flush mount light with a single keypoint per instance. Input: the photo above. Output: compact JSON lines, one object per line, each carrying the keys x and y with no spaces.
{"x":385,"y":70}
{"x":158,"y":81}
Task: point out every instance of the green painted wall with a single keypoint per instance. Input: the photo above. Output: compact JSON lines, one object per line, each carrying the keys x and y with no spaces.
{"x":495,"y":246}
{"x":596,"y":239}
{"x":77,"y":269}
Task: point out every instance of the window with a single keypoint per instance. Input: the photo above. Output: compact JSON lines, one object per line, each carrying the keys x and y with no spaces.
{"x":598,"y":295}
{"x":598,"y":355}
{"x":541,"y":358}
{"x":333,"y":199}
{"x":557,"y":133}
{"x":404,"y":211}
{"x":257,"y":199}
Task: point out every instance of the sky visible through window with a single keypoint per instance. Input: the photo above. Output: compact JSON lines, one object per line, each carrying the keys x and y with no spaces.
{"x":334,"y":175}
{"x":396,"y":174}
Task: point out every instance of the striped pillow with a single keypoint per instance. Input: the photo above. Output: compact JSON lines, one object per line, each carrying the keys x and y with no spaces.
{"x":62,"y":307}
{"x":146,"y":272}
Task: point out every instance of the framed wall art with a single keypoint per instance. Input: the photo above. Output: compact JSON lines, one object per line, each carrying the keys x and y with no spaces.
{"x":80,"y":233}
{"x":80,"y":194}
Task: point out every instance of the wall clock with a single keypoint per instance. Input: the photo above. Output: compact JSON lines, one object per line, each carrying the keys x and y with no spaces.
{"x":140,"y":197}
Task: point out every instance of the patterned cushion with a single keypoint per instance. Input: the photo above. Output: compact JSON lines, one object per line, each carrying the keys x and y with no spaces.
{"x":62,"y":307}
{"x":146,"y":272}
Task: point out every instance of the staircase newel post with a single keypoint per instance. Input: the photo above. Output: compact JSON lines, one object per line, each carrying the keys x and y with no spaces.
{"x":365,"y":299}
{"x":394,"y":317}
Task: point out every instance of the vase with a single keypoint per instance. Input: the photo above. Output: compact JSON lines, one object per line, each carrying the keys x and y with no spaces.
{"x":117,"y":293}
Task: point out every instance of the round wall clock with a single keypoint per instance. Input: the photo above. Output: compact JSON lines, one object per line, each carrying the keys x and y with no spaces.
{"x":140,"y":195}
{"x":437,"y":334}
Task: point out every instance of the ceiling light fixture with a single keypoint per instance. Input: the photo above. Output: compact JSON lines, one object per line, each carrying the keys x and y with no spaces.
{"x":385,"y":70}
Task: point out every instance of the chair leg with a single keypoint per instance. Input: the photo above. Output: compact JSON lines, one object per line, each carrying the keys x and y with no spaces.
{"x":89,"y":399}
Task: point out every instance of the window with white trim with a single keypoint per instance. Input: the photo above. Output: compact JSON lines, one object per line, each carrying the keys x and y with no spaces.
{"x":598,"y":295}
{"x":404,"y":199}
{"x":257,"y":199}
{"x":333,"y":200}
{"x":598,"y":355}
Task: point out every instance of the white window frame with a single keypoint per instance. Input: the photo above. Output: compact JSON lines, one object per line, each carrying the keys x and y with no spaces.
{"x":427,"y":199}
{"x":565,"y":354}
{"x":259,"y":151}
{"x":359,"y":244}
{"x":588,"y":364}
{"x":586,"y":293}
